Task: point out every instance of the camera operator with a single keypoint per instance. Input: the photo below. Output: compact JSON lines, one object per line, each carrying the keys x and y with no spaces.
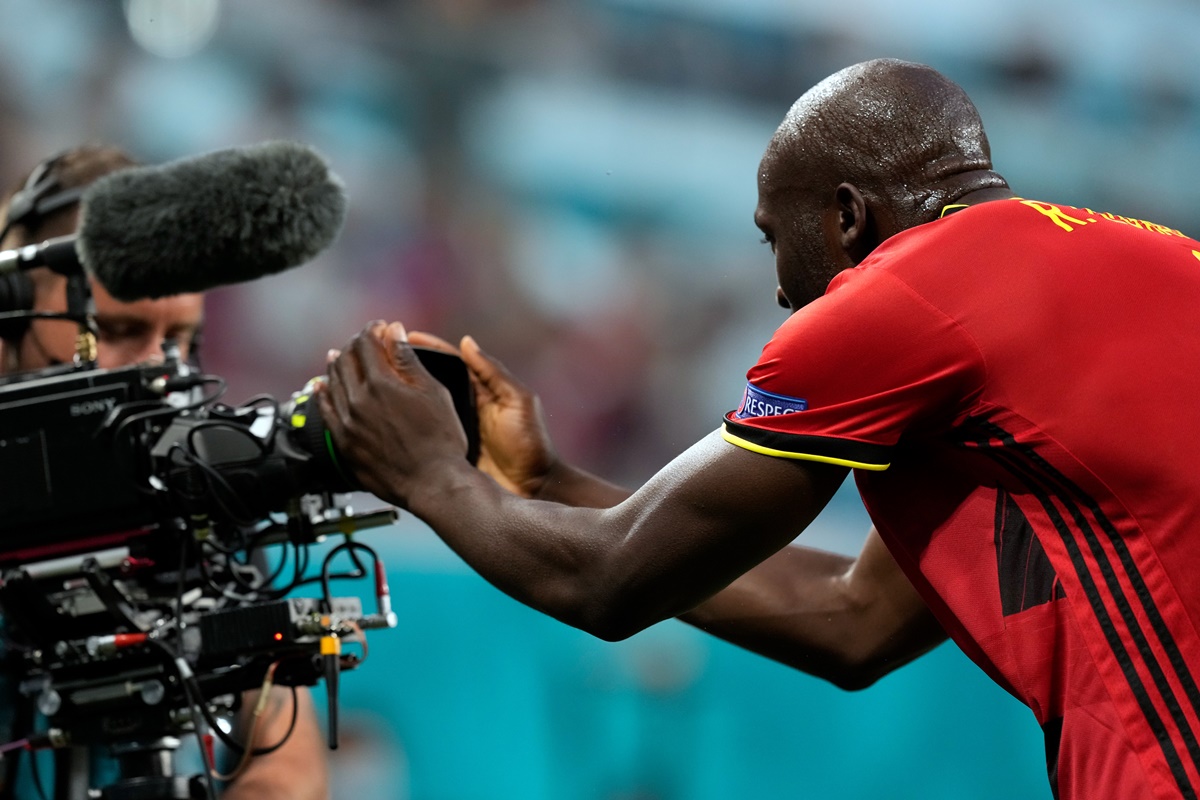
{"x":47,"y":206}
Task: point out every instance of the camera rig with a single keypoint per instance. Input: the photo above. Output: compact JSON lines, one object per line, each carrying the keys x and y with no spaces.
{"x":138,"y":603}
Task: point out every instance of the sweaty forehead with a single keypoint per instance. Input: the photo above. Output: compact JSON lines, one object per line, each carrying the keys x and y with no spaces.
{"x":796,"y":161}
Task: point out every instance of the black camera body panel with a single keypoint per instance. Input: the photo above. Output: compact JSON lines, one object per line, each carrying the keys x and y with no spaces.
{"x":61,"y":477}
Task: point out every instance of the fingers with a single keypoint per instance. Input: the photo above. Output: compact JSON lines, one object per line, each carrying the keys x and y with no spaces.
{"x":423,"y":339}
{"x":383,"y":351}
{"x":491,"y":374}
{"x":396,"y":332}
{"x":332,"y":393}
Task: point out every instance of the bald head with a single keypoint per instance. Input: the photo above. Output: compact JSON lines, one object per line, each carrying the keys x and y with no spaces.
{"x":868,"y":152}
{"x":895,"y":129}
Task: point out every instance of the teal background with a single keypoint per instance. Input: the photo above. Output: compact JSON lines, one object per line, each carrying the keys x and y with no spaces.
{"x":474,"y":696}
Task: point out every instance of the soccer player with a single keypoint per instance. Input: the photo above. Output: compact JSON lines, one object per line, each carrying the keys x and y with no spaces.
{"x":1010,"y":381}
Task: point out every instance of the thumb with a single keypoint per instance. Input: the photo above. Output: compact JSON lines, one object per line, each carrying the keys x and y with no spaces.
{"x":392,"y":340}
{"x":490,"y":373}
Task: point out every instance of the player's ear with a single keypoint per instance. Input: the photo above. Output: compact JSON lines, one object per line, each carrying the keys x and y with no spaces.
{"x":856,"y":229}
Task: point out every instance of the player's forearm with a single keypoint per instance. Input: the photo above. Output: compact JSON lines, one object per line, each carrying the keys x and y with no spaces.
{"x":573,"y":486}
{"x":793,"y":608}
{"x":677,"y":541}
{"x":547,"y":555}
{"x":810,"y":609}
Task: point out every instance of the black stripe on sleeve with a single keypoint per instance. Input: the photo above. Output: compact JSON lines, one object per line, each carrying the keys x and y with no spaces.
{"x":846,"y":452}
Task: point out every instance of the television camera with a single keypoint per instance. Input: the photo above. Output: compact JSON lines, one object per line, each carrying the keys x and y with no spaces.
{"x":136,"y":511}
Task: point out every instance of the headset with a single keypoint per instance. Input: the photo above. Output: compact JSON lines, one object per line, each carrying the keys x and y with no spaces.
{"x":40,"y":197}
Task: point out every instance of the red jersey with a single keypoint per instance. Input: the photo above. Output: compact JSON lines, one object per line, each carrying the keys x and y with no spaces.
{"x":1016,"y":386}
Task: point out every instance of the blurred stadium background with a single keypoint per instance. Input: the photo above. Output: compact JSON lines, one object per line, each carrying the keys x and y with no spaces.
{"x":572,"y":183}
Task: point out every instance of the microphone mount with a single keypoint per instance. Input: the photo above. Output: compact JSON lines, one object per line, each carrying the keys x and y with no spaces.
{"x":58,"y":254}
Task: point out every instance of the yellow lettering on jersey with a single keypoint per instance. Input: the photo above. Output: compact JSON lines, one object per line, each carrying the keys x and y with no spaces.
{"x":1059,"y":217}
{"x":1143,"y":224}
{"x":1196,"y":253}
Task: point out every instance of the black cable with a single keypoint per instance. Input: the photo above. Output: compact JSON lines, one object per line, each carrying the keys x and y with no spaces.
{"x":243,"y":519}
{"x":158,"y":408}
{"x":358,"y":565}
{"x":335,"y":576}
{"x":302,"y":558}
{"x":217,"y":548}
{"x":274,"y":576}
{"x":162,"y":409}
{"x":197,"y":702}
{"x":351,"y":545}
{"x":228,"y":740}
{"x":224,"y":549}
{"x":262,"y":751}
{"x":211,"y":581}
{"x":195,"y":699}
{"x":264,"y":400}
{"x":240,"y":516}
{"x":227,"y":558}
{"x":268,"y":590}
{"x":179,"y":593}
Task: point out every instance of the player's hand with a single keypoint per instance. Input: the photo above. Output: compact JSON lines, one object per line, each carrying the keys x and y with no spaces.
{"x":515,"y":447}
{"x":393,"y":423}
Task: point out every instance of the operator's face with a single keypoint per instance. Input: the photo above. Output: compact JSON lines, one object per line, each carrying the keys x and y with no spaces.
{"x":130,"y":333}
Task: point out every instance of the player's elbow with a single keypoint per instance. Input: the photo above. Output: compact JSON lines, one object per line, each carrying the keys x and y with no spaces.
{"x":607,"y":611}
{"x":854,"y":675}
{"x":606,"y":619}
{"x":849,"y":667}
{"x":864,"y":661}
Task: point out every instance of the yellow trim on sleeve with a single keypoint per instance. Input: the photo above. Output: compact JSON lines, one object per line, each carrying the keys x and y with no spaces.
{"x":952,"y":207}
{"x":767,"y":451}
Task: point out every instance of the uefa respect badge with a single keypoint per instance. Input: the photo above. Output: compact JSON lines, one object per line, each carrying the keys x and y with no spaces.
{"x":758,"y":402}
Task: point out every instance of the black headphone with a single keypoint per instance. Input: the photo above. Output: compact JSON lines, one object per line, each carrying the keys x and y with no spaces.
{"x":40,"y":197}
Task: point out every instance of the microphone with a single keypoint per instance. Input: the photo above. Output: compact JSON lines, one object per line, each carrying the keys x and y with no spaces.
{"x":58,"y":254}
{"x":195,"y":223}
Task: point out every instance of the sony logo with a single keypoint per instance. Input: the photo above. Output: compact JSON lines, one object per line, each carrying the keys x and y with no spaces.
{"x":86,"y":408}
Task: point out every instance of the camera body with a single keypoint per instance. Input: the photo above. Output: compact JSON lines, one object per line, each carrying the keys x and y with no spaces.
{"x":60,"y":481}
{"x":135,"y":510}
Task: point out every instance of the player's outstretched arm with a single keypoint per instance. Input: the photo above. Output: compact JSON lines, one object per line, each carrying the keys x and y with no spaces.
{"x":848,"y":620}
{"x":706,"y":518}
